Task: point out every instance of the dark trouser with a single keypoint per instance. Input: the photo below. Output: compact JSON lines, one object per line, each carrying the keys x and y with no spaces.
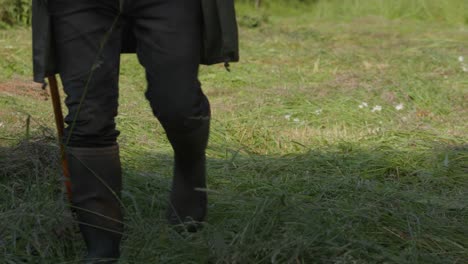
{"x":88,"y":35}
{"x":88,"y":39}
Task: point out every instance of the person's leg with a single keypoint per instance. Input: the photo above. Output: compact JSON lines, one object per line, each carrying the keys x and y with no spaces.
{"x":89,"y":71}
{"x":168,"y":36}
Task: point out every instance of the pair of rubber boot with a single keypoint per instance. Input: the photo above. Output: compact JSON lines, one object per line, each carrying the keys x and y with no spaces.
{"x":96,"y":180}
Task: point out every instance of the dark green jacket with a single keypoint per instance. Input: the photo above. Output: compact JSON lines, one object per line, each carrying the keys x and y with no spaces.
{"x":220,"y":37}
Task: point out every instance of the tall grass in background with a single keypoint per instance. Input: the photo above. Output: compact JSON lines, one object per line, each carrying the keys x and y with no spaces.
{"x":447,"y":11}
{"x":450,"y":11}
{"x":15,"y":12}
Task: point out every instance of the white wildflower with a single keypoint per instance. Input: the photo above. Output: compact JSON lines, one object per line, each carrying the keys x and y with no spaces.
{"x":465,"y":68}
{"x":399,"y":107}
{"x":287,"y":117}
{"x":1,"y":124}
{"x":296,"y":120}
{"x":363,"y":104}
{"x":377,"y":108}
{"x":461,"y":59}
{"x":318,"y":111}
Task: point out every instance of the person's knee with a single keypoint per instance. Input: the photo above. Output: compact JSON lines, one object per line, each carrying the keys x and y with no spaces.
{"x":183,"y":116}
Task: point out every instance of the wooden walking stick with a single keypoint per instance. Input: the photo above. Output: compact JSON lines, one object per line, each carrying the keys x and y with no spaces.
{"x":56,"y":103}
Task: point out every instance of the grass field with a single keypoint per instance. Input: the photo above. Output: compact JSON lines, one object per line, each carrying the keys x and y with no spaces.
{"x":337,"y":139}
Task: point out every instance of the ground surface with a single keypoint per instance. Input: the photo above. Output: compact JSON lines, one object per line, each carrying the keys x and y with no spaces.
{"x":332,"y":142}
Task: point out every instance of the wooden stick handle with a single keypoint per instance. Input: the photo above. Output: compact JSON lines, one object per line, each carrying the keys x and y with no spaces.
{"x":56,"y":104}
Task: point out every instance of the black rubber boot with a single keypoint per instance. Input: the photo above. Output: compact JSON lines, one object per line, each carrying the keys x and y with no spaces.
{"x":188,"y":200}
{"x":96,"y":180}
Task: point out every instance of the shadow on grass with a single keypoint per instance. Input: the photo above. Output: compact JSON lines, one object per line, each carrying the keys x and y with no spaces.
{"x":339,"y":205}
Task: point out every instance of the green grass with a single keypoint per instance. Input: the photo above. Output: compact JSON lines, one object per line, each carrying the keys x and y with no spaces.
{"x":448,"y":11}
{"x":341,"y":184}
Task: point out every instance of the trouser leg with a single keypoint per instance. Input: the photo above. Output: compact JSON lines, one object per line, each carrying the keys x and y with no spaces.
{"x":89,"y":71}
{"x":168,"y":34}
{"x":89,"y":68}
